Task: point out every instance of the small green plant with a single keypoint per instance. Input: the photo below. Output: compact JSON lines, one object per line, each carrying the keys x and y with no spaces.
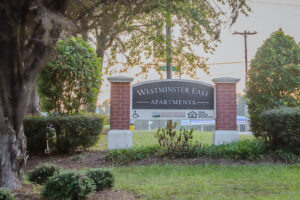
{"x":106,"y":127}
{"x":173,"y":140}
{"x":43,"y":172}
{"x":68,"y":186}
{"x":6,"y":194}
{"x":103,"y":179}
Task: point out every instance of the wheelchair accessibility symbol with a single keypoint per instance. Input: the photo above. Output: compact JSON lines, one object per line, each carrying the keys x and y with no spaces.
{"x":135,"y":115}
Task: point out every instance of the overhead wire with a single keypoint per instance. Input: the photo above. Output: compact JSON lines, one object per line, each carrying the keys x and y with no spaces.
{"x":277,"y":4}
{"x":219,"y":63}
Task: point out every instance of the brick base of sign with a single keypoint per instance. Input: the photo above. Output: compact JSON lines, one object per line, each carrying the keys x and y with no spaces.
{"x":226,"y":128}
{"x":225,"y":137}
{"x":119,"y":139}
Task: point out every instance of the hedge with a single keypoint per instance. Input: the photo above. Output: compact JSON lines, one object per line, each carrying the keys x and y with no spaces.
{"x":36,"y":129}
{"x":282,"y":128}
{"x":64,"y":133}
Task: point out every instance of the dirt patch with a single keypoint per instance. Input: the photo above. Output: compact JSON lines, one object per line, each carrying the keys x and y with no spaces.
{"x":203,"y":160}
{"x":75,"y":161}
{"x":28,"y":191}
{"x":32,"y":192}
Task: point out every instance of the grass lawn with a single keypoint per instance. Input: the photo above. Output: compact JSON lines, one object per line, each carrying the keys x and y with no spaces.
{"x":210,"y":181}
{"x":146,"y":138}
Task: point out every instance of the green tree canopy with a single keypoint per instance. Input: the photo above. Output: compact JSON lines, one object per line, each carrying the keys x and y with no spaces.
{"x":71,"y":81}
{"x":194,"y":24}
{"x":274,"y":77}
{"x":137,"y":32}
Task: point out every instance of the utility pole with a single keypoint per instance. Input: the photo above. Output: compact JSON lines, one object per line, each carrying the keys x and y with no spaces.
{"x":245,"y":34}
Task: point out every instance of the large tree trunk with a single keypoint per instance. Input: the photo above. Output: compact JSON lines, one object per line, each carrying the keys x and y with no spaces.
{"x":33,"y":107}
{"x":100,"y":49}
{"x":13,"y":156}
{"x":101,"y":45}
{"x":28,"y":32}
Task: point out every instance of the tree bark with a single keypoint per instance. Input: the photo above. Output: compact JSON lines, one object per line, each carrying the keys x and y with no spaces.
{"x":13,"y":156}
{"x":100,"y":50}
{"x":33,"y":107}
{"x":13,"y":101}
{"x":27,"y":38}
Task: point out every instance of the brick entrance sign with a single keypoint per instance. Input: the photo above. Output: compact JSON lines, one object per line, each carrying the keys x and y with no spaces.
{"x":119,"y":135}
{"x":224,"y":107}
{"x":226,"y":128}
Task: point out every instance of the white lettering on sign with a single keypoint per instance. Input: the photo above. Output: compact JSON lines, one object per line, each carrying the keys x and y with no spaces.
{"x":173,"y":102}
{"x":181,"y":90}
{"x":199,"y":92}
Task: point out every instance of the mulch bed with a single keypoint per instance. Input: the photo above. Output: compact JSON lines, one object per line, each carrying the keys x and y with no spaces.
{"x":97,"y":160}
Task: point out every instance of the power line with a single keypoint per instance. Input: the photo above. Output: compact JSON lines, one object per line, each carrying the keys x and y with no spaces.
{"x":277,"y":4}
{"x":224,"y":63}
{"x":218,"y":63}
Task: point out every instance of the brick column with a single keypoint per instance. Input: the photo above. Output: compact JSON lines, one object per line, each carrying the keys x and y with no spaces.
{"x":226,"y":128}
{"x":119,"y":135}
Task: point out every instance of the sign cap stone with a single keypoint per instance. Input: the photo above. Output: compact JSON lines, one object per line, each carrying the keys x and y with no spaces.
{"x":118,"y":79}
{"x":226,"y":80}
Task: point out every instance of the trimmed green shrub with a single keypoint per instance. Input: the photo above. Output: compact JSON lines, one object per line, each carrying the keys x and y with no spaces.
{"x":71,"y":81}
{"x":6,"y":194}
{"x":37,"y":131}
{"x":282,"y":128}
{"x":65,"y":133}
{"x":43,"y":172}
{"x":68,"y":186}
{"x":103,"y":179}
{"x":76,"y":131}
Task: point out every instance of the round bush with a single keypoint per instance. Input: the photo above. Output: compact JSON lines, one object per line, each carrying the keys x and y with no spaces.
{"x":103,"y":179}
{"x":42,"y":173}
{"x":68,"y":186}
{"x":282,"y":128}
{"x":6,"y":194}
